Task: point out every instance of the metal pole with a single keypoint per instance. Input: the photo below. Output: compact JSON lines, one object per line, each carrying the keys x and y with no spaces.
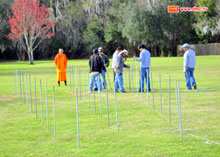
{"x":137,"y":78}
{"x":54,"y":110}
{"x":88,"y":91}
{"x":30,"y":92}
{"x":179,"y":112}
{"x":23,"y":86}
{"x":41,"y":102}
{"x":152,"y":90}
{"x":107,"y":104}
{"x":73,"y":80}
{"x":116,"y":111}
{"x":161,"y":109}
{"x":109,"y":80}
{"x":47,"y":107}
{"x":147,"y":87}
{"x":35,"y":96}
{"x":20,"y":85}
{"x":70,"y":77}
{"x":79,"y":85}
{"x":76,"y":76}
{"x":129,"y":79}
{"x":84,"y":85}
{"x":141,"y":84}
{"x":94,"y":97}
{"x":169,"y":102}
{"x":99,"y":91}
{"x":77,"y":117}
{"x":27,"y":87}
{"x":125,"y":79}
{"x":17,"y":82}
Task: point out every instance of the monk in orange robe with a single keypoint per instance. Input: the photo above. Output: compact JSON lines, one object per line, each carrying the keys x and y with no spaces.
{"x":61,"y":63}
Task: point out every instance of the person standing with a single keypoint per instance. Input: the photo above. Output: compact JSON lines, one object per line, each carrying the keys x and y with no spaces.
{"x":118,"y":68}
{"x":145,"y":66}
{"x":119,"y":49}
{"x":106,"y":64}
{"x":189,"y":66}
{"x":96,"y":65}
{"x":61,"y":63}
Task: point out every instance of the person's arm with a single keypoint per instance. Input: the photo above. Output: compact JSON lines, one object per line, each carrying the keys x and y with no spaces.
{"x":141,"y":58}
{"x":186,"y":60}
{"x":107,"y":61}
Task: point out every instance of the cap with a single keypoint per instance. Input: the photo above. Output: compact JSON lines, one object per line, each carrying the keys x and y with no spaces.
{"x":185,"y":45}
{"x":95,"y":50}
{"x":100,"y":49}
{"x":125,"y":52}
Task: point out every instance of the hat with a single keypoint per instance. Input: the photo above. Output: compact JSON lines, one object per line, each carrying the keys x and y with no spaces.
{"x":185,"y":45}
{"x":125,"y":52}
{"x":95,"y":50}
{"x":100,"y":49}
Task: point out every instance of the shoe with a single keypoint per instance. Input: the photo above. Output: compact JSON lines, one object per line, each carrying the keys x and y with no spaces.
{"x":123,"y":92}
{"x":140,"y":91}
{"x":96,"y":89}
{"x":195,"y":87}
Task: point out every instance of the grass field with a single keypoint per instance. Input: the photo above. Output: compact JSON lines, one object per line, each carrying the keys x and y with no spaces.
{"x":141,"y":129}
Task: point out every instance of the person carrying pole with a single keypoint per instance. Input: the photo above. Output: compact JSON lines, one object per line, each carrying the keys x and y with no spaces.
{"x":145,"y":67}
{"x":96,"y":65}
{"x":119,"y":64}
{"x":189,"y":66}
{"x":61,"y":63}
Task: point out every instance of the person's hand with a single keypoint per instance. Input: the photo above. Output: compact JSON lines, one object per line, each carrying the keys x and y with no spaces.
{"x":184,"y":70}
{"x":134,"y":57}
{"x":105,"y":65}
{"x":128,"y":66}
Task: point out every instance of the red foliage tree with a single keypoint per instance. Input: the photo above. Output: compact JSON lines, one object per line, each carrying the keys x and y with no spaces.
{"x":31,"y":23}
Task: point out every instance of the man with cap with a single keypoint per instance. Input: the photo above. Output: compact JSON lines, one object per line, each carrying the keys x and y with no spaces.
{"x":189,"y":66}
{"x":145,"y":66}
{"x":105,"y":60}
{"x":118,"y":68}
{"x":118,"y":50}
{"x":96,"y":65}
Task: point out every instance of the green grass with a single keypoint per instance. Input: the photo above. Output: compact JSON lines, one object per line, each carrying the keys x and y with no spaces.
{"x":21,"y":134}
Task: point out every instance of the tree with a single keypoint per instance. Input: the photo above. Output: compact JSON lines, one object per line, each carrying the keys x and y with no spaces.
{"x":30,"y":24}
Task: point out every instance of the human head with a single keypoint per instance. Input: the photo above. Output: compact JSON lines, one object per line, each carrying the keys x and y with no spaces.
{"x":124,"y":53}
{"x":119,"y":49}
{"x":95,"y":51}
{"x":60,"y":51}
{"x":186,"y":46}
{"x":141,"y":47}
{"x":100,"y":49}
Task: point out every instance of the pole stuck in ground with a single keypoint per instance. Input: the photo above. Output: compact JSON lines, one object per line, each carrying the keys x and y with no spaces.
{"x":161,"y":108}
{"x":116,"y":111}
{"x":54,"y":111}
{"x":147,"y":87}
{"x":20,"y":85}
{"x":27,"y":88}
{"x":47,"y":106}
{"x":179,"y":112}
{"x":99,"y":91}
{"x":129,"y":72}
{"x":107,"y":103}
{"x":94,"y":96}
{"x":17,"y":82}
{"x":70,"y":71}
{"x":23,"y":86}
{"x":84,"y":84}
{"x":73,"y":80}
{"x":35,"y":96}
{"x":30,"y":92}
{"x":77,"y":117}
{"x":169,"y":102}
{"x":137,"y":78}
{"x":88,"y":91}
{"x":152,"y":91}
{"x":79,"y":84}
{"x":109,"y":80}
{"x":41,"y":102}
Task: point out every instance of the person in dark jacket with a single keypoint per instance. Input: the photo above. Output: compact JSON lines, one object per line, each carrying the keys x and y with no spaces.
{"x":96,"y":65}
{"x":106,"y":64}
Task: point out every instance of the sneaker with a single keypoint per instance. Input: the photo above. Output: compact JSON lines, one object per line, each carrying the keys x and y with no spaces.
{"x":96,"y":89}
{"x":195,"y":87}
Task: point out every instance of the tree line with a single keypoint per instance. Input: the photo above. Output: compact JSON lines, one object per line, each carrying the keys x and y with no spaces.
{"x":81,"y":25}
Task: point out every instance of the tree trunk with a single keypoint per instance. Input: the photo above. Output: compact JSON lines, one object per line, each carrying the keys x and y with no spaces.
{"x":30,"y":56}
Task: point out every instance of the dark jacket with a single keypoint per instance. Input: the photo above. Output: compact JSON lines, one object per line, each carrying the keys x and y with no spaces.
{"x":96,"y":64}
{"x":105,"y":60}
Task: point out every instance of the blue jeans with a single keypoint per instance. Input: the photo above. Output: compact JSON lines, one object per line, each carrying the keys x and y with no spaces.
{"x":119,"y":82}
{"x":95,"y":79}
{"x":144,"y":72}
{"x":104,"y":80}
{"x":190,"y":80}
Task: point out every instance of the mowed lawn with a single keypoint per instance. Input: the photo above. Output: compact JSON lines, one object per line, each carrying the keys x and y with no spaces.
{"x":142,"y":131}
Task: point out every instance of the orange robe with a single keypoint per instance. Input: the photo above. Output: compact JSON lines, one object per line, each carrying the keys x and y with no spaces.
{"x":61,"y":64}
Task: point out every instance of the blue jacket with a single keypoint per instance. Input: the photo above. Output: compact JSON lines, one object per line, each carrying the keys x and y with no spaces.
{"x":189,"y":59}
{"x":144,"y":59}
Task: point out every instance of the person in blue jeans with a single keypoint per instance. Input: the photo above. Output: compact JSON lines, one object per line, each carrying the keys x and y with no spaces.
{"x":118,"y":68}
{"x":96,"y":65}
{"x":189,"y":66}
{"x":145,"y":67}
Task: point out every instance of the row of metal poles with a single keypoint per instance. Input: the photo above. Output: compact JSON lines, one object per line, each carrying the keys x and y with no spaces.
{"x":19,"y":79}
